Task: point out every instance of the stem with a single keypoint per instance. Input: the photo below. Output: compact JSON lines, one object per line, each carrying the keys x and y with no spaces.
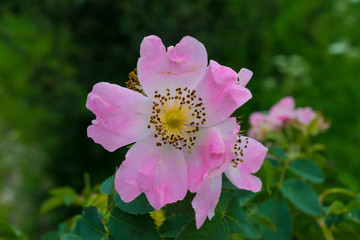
{"x":283,"y":171}
{"x":325,"y":230}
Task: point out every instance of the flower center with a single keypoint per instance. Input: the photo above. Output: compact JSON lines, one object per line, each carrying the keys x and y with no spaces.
{"x":174,"y":119}
{"x":177,"y":117}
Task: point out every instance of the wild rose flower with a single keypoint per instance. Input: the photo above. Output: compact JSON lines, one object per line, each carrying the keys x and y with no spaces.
{"x":281,"y":113}
{"x":278,"y":114}
{"x":178,"y":117}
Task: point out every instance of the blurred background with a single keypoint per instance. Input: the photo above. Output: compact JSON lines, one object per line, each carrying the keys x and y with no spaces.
{"x":53,"y":51}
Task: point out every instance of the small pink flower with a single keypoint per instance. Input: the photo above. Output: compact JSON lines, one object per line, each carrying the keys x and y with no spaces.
{"x":178,"y":119}
{"x":304,"y":115}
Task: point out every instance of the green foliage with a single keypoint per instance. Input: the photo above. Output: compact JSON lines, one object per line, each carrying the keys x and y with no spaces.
{"x":91,"y":226}
{"x":139,"y":205}
{"x":301,"y":195}
{"x":307,"y":170}
{"x":126,"y":226}
{"x":277,"y":211}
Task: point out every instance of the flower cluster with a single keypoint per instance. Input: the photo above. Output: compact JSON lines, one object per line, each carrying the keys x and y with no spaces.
{"x":282,"y":113}
{"x":177,"y":111}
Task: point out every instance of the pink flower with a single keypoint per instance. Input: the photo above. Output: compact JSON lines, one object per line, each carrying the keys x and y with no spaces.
{"x":178,"y":118}
{"x":248,"y":156}
{"x":304,"y":115}
{"x":281,"y":112}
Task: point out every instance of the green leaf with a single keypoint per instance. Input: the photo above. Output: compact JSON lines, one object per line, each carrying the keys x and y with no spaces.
{"x":63,"y":192}
{"x":277,"y":211}
{"x":353,"y":205}
{"x":10,"y":232}
{"x":236,"y":220}
{"x":68,"y":236}
{"x":107,"y":186}
{"x":302,"y":196}
{"x":125,"y":226}
{"x":267,"y":172}
{"x":51,"y":204}
{"x":267,"y":222}
{"x":354,"y":215}
{"x":181,"y":207}
{"x":91,"y":226}
{"x":174,"y":225}
{"x":278,"y":152}
{"x":307,"y":170}
{"x":215,"y":229}
{"x":139,"y":205}
{"x":336,"y":207}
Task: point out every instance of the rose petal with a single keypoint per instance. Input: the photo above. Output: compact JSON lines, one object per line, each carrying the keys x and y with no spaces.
{"x":252,"y":156}
{"x":220,"y":93}
{"x":206,"y":199}
{"x":182,"y":66}
{"x":122,"y":115}
{"x":158,"y":171}
{"x":212,"y":153}
{"x":244,"y":76}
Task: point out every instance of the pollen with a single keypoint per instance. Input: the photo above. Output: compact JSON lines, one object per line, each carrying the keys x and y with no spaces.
{"x":177,"y":117}
{"x":133,"y":83}
{"x":239,"y":149}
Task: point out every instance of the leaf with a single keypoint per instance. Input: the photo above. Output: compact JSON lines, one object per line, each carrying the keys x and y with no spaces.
{"x":51,"y":204}
{"x":68,"y":236}
{"x":125,"y":226}
{"x":181,"y":207}
{"x":215,"y":229}
{"x":267,"y":172}
{"x":354,"y":215}
{"x":91,"y":226}
{"x":277,"y":211}
{"x":10,"y":232}
{"x":237,"y":222}
{"x":174,"y":225}
{"x":267,"y":222}
{"x":353,"y":205}
{"x":278,"y":152}
{"x":302,"y":196}
{"x":107,"y":186}
{"x":139,"y":205}
{"x":336,"y":207}
{"x":307,"y":170}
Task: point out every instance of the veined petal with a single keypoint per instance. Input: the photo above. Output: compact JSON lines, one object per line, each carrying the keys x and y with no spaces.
{"x":206,"y":199}
{"x":252,"y":156}
{"x":220,"y":93}
{"x":182,"y":66}
{"x":212,"y":153}
{"x":158,"y":171}
{"x":122,"y":115}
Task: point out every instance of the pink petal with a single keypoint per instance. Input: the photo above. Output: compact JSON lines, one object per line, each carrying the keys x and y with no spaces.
{"x":282,"y":111}
{"x":159,"y":172}
{"x":256,"y":118}
{"x":182,"y":66}
{"x":244,"y":76}
{"x":212,"y":153}
{"x":305,"y":115}
{"x":122,"y":115}
{"x":220,"y":93}
{"x":206,"y":199}
{"x":253,"y":157}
